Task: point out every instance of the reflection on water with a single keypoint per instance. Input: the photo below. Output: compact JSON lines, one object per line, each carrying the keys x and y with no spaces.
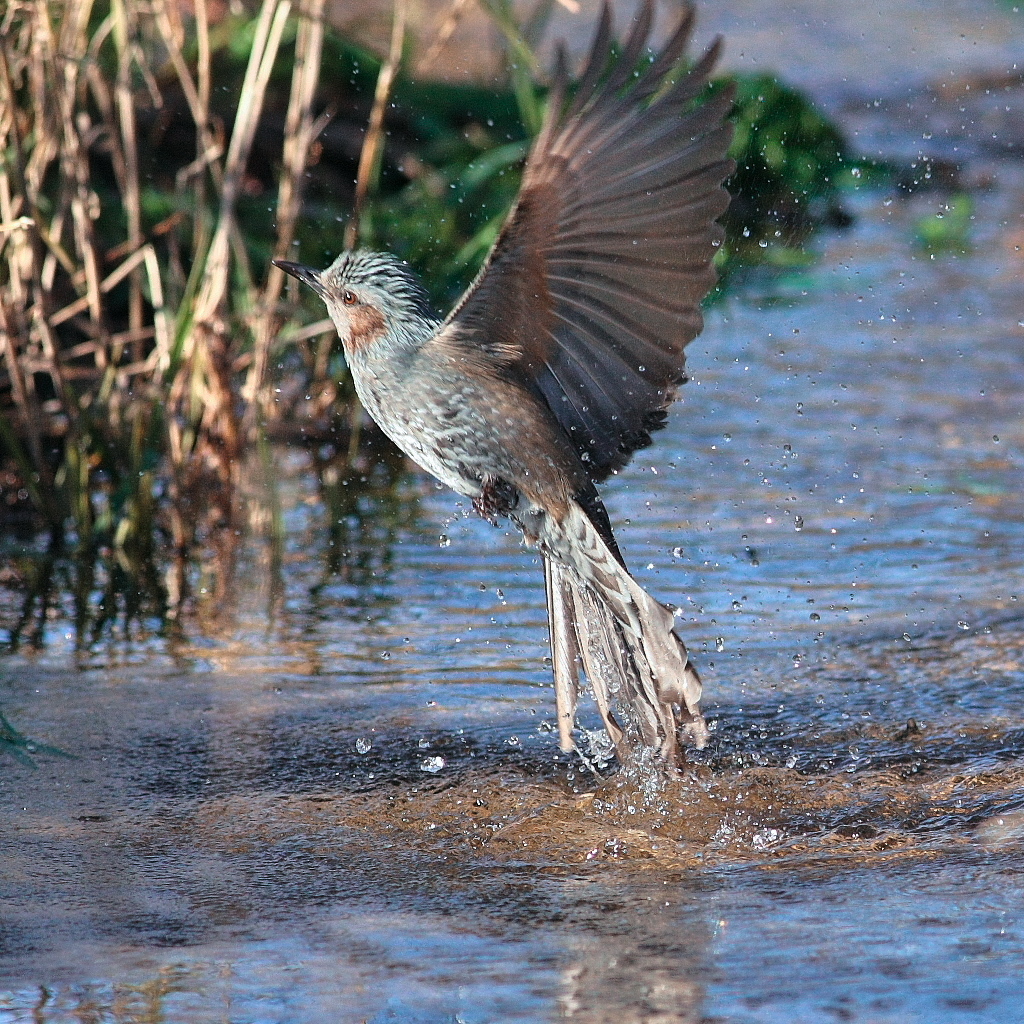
{"x":327,"y":788}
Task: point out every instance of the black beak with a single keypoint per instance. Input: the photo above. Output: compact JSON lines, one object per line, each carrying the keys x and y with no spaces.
{"x":306,"y":274}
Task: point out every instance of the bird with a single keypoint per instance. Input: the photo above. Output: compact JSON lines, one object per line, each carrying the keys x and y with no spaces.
{"x":563,"y":356}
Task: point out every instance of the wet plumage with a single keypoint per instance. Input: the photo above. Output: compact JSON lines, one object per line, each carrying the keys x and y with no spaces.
{"x":563,"y":356}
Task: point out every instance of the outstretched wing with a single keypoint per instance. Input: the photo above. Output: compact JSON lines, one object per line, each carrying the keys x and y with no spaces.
{"x":593,"y":288}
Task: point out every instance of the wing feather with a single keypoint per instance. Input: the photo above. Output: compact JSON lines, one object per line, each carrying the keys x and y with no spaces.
{"x":593,"y":288}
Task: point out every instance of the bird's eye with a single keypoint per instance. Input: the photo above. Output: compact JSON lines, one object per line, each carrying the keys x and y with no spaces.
{"x":349,"y":298}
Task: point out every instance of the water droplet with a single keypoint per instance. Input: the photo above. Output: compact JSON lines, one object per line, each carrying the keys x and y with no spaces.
{"x":791,"y":761}
{"x":798,"y":523}
{"x":444,"y":541}
{"x":719,"y":644}
{"x":677,"y":552}
{"x":963,"y":625}
{"x":815,"y":617}
{"x":513,"y":741}
{"x":432,"y":765}
{"x":386,"y":655}
{"x":736,"y":606}
{"x":423,"y":743}
{"x":363,"y":745}
{"x":906,"y":636}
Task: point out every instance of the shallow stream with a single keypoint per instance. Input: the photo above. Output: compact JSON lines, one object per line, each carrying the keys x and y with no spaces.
{"x":337,"y":794}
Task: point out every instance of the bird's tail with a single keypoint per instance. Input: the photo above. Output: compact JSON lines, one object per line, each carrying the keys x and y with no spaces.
{"x":603,"y":623}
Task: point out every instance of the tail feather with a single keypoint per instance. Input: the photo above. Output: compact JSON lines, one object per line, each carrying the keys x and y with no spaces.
{"x":606,"y":625}
{"x":565,"y":655}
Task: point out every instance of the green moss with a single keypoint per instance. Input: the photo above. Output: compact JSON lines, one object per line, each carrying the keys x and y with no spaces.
{"x":949,"y":227}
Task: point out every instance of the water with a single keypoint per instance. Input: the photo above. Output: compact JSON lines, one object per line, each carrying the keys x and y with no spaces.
{"x":334,"y":793}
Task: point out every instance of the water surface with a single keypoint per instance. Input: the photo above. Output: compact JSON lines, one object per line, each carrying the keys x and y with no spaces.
{"x":334,"y":793}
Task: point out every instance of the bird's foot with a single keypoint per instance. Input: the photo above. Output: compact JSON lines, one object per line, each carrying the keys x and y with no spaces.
{"x":497,"y":498}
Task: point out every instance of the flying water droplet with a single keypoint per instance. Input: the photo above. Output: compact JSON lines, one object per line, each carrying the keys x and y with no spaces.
{"x":444,"y":541}
{"x":719,"y":644}
{"x":363,"y":745}
{"x":798,"y":523}
{"x":432,"y":765}
{"x":964,"y":625}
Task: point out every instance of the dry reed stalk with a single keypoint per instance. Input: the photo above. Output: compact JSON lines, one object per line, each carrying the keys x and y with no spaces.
{"x":369,"y":158}
{"x":125,"y":30}
{"x":117,"y":111}
{"x":301,"y":129}
{"x":27,"y":403}
{"x":269,"y":28}
{"x":205,"y":445}
{"x":443,"y":35}
{"x":208,"y":148}
{"x":108,"y":284}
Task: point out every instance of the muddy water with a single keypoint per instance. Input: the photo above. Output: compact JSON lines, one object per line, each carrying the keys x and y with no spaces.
{"x":335,"y":794}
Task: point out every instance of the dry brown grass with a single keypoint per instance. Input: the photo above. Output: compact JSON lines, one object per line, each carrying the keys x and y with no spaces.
{"x":91,"y":385}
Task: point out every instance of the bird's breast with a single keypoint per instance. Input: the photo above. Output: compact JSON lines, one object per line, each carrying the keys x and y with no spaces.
{"x":464,"y":428}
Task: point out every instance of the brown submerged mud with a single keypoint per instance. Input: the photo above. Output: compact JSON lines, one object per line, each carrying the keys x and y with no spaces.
{"x":764,"y":816}
{"x":774,"y":790}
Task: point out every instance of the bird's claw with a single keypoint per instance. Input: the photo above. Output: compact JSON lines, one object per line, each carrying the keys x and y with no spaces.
{"x":497,"y":497}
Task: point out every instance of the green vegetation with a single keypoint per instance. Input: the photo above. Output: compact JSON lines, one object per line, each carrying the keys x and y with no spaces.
{"x":949,"y":227}
{"x":21,"y":748}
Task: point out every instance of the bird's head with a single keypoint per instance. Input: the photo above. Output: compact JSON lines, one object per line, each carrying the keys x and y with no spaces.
{"x":370,"y":296}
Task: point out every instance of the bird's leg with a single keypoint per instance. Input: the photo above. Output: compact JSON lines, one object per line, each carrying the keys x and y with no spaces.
{"x":497,"y":498}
